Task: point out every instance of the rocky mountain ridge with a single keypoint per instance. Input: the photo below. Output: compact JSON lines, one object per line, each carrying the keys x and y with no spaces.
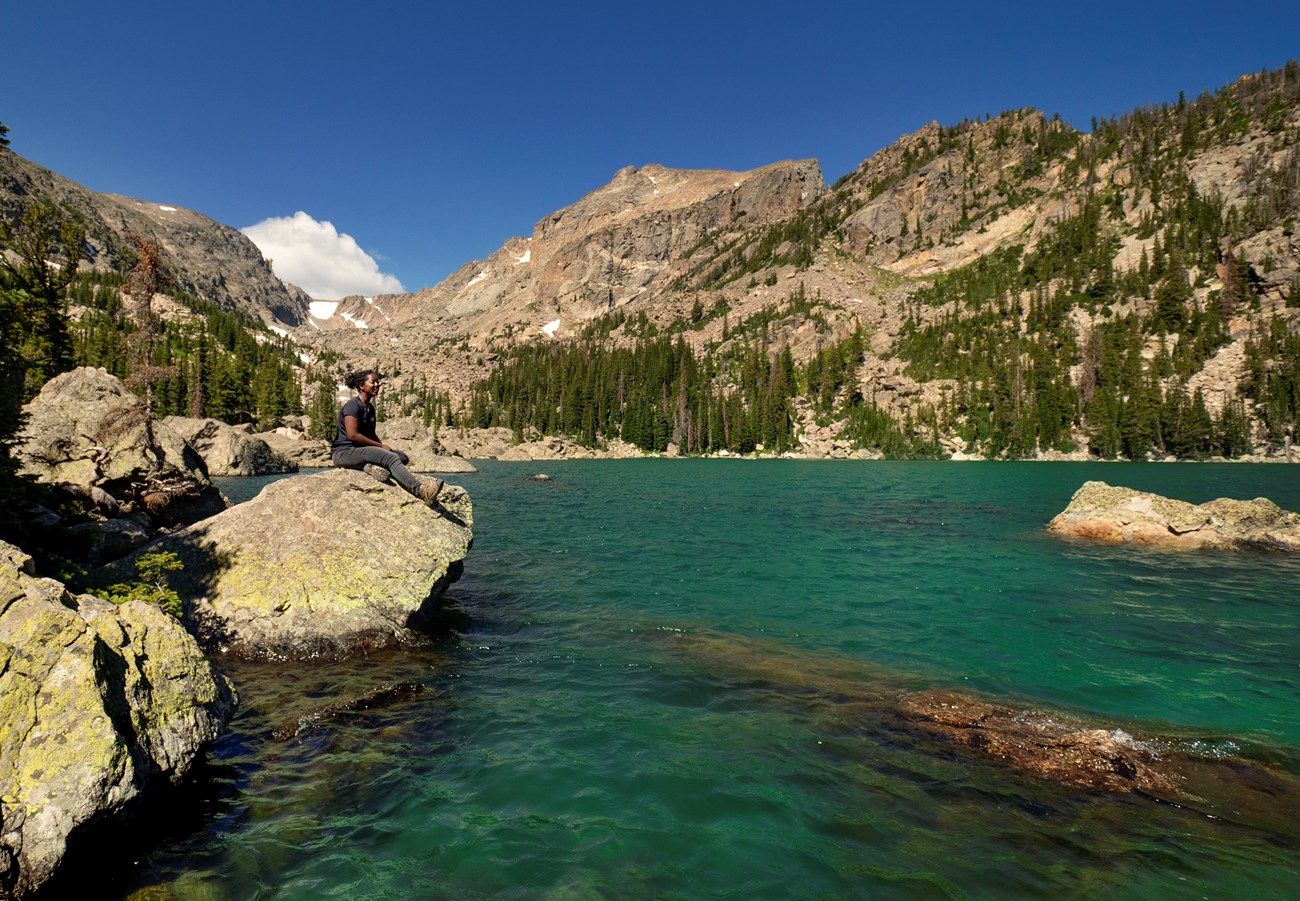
{"x":1200,"y":197}
{"x":206,"y":259}
{"x":623,"y":243}
{"x":938,"y":254}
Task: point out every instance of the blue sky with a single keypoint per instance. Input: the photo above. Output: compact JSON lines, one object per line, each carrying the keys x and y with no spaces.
{"x":417,"y":136}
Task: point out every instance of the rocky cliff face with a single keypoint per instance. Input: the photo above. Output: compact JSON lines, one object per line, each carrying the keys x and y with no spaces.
{"x":206,"y":259}
{"x":624,"y":242}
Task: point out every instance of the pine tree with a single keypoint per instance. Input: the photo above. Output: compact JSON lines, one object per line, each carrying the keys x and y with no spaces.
{"x":44,"y":341}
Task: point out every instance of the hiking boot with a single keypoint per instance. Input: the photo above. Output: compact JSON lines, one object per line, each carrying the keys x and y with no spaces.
{"x":429,"y":491}
{"x":378,"y":473}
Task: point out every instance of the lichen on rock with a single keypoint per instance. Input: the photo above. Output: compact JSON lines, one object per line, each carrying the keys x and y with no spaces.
{"x":99,"y":704}
{"x":325,"y":564}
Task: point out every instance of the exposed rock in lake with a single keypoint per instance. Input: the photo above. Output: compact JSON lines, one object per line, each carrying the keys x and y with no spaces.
{"x":87,"y":429}
{"x":99,"y":705}
{"x":1102,"y":512}
{"x":329,"y":563}
{"x":228,"y":450}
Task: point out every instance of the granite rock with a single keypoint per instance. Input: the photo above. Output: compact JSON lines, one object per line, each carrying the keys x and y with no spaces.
{"x":100,"y":705}
{"x":331,"y":563}
{"x":1107,"y":513}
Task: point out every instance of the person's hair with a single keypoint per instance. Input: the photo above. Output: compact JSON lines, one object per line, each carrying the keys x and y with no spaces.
{"x":354,"y":380}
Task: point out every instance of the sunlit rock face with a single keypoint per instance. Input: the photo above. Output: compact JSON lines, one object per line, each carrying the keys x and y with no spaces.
{"x":1102,"y":512}
{"x":327,"y":564}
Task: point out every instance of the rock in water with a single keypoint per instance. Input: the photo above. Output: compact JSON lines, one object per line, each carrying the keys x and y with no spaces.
{"x":329,"y":563}
{"x":87,"y":429}
{"x":228,"y":451}
{"x":99,"y":703}
{"x":1103,"y":512}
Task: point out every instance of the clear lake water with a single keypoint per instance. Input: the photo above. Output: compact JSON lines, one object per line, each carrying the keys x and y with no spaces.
{"x":672,"y":679}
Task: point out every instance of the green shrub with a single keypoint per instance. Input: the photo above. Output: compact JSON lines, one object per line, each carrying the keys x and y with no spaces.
{"x":151,"y":584}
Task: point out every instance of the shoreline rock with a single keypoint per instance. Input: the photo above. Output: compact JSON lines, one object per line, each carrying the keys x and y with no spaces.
{"x":1117,"y":515}
{"x":230,"y":451}
{"x":86,"y":429}
{"x":307,"y":453}
{"x":100,"y":706}
{"x":326,"y":564}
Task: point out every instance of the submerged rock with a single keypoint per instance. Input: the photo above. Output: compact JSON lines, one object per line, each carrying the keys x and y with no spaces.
{"x":374,"y":699}
{"x":99,"y":705}
{"x":1102,"y":512}
{"x":329,"y":563}
{"x":1042,"y":745}
{"x":1053,"y":747}
{"x":229,"y":451}
{"x":87,"y":429}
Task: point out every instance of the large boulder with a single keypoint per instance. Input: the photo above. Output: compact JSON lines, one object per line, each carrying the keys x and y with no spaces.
{"x":87,"y":429}
{"x":229,"y":451}
{"x":424,"y":448}
{"x":99,"y":705}
{"x":1102,"y":512}
{"x":329,"y":563}
{"x":426,"y":456}
{"x":297,"y":446}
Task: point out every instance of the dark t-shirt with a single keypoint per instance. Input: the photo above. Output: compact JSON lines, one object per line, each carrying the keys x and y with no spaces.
{"x":365,"y":423}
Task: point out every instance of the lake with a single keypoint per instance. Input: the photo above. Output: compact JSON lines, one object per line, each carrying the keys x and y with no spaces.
{"x":664,"y":679}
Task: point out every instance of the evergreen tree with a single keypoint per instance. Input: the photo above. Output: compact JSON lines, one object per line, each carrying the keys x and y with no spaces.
{"x":43,"y":339}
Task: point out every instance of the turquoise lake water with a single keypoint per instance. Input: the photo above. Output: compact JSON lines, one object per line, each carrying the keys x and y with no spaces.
{"x":673,"y":679}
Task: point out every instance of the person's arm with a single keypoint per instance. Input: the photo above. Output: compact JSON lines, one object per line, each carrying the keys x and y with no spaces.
{"x":352,"y":426}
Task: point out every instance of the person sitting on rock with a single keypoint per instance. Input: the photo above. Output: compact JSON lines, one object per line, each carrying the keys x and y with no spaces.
{"x":356,"y":444}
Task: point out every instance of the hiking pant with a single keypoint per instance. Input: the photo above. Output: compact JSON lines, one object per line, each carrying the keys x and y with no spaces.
{"x":394,"y":461}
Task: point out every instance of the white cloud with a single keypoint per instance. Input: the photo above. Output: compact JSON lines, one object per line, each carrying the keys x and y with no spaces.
{"x":318,"y":258}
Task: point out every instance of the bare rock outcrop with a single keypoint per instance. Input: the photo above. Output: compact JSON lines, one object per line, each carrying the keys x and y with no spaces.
{"x":207,"y":259}
{"x":498,"y":444}
{"x":306,"y":452}
{"x":330,"y":563}
{"x":229,"y":451}
{"x":99,"y":705}
{"x":87,"y":429}
{"x":1102,"y":512}
{"x":426,"y":451}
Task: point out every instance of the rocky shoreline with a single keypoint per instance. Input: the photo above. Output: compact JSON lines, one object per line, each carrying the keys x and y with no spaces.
{"x":105,"y":706}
